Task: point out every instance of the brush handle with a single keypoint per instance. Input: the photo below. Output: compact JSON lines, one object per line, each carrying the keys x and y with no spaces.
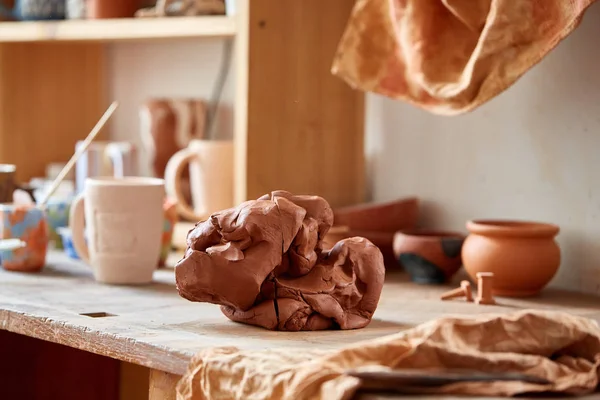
{"x":85,"y":144}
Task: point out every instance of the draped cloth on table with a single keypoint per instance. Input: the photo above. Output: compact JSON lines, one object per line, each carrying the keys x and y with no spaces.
{"x":558,"y":347}
{"x":449,"y":56}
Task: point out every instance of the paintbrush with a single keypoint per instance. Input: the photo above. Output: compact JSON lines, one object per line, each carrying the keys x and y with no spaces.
{"x":80,"y":150}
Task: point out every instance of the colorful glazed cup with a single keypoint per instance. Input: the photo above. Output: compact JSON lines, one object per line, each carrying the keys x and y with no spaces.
{"x":67,"y":242}
{"x":27,"y":223}
{"x":171,"y":218}
{"x":57,"y":213}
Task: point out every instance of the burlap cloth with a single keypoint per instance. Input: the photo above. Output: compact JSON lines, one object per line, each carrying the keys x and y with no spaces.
{"x":449,"y":56}
{"x":559,"y":347}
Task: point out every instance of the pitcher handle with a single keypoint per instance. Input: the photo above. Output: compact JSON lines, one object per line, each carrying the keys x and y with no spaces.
{"x":77,"y":226}
{"x":116,"y":152}
{"x":173,"y":188}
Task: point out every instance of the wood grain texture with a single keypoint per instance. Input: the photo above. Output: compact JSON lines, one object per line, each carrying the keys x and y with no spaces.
{"x":118,"y":29}
{"x":51,"y":95}
{"x":134,"y":381}
{"x":305,"y":127}
{"x":152,"y":326}
{"x":240,"y":133}
{"x":163,"y":385}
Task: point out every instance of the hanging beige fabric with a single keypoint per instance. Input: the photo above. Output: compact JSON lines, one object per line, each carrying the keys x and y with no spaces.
{"x":561,"y":351}
{"x":449,"y":56}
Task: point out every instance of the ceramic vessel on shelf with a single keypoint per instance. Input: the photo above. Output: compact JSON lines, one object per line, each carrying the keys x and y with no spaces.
{"x":429,"y":257}
{"x":98,"y":9}
{"x":523,"y":255}
{"x":34,"y":10}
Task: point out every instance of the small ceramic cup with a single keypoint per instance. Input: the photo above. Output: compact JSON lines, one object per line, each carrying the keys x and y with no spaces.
{"x":171,"y":218}
{"x":429,"y":257}
{"x":27,"y":223}
{"x":57,"y":213}
{"x":67,"y":242}
{"x":123,"y":219}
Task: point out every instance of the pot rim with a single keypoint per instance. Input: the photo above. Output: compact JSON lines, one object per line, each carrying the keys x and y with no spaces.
{"x":430,"y":234}
{"x":512,"y":228}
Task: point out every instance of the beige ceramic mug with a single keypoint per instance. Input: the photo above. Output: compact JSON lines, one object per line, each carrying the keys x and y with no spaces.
{"x":123,"y":219}
{"x":211,"y":177}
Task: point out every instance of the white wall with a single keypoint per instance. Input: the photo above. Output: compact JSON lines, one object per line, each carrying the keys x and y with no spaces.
{"x":177,"y":68}
{"x":532,"y":153}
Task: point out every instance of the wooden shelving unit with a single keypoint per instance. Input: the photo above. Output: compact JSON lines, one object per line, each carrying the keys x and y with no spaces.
{"x":296,"y":126}
{"x":124,"y":29}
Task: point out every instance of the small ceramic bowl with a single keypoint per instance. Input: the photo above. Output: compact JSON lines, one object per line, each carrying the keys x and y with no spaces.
{"x":429,"y":257}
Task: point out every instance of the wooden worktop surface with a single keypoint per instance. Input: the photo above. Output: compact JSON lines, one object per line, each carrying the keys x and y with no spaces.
{"x":154,"y":327}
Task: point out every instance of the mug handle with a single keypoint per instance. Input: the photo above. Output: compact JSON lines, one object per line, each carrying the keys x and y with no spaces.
{"x":77,"y":226}
{"x":173,"y":173}
{"x":117,"y":152}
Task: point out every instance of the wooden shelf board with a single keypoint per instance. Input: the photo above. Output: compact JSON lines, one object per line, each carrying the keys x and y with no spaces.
{"x":118,"y":29}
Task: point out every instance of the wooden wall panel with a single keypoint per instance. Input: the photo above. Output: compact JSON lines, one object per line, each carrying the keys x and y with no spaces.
{"x":51,"y":95}
{"x":305,"y":126}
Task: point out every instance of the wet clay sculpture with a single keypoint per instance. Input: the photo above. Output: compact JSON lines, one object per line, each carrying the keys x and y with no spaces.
{"x":264,"y":263}
{"x":523,"y":256}
{"x":463,"y":291}
{"x":484,"y":288}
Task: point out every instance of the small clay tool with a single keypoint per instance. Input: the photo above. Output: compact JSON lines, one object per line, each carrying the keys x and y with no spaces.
{"x":81,"y":149}
{"x":463,"y":291}
{"x":401,"y":379}
{"x":484,"y":288}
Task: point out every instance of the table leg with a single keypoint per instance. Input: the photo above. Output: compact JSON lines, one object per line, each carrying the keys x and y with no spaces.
{"x":162,"y":385}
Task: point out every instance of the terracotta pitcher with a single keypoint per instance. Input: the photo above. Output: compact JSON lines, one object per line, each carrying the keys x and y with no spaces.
{"x":211,"y":178}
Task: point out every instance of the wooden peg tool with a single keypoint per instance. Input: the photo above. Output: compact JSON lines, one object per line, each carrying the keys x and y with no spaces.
{"x":484,"y":288}
{"x":463,"y":291}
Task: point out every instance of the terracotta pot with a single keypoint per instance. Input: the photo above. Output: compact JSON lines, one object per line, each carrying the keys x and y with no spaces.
{"x":383,"y":240}
{"x":522,"y":255}
{"x":98,"y":9}
{"x":387,"y":217}
{"x":429,"y":257}
{"x":377,"y":222}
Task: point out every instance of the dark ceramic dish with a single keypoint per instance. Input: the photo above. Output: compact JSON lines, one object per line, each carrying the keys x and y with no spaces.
{"x":429,"y":257}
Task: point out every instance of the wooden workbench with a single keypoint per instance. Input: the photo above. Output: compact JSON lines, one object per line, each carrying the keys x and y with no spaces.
{"x":151,"y":326}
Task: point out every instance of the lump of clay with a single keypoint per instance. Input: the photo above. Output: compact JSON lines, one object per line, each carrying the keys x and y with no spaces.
{"x":263,"y":263}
